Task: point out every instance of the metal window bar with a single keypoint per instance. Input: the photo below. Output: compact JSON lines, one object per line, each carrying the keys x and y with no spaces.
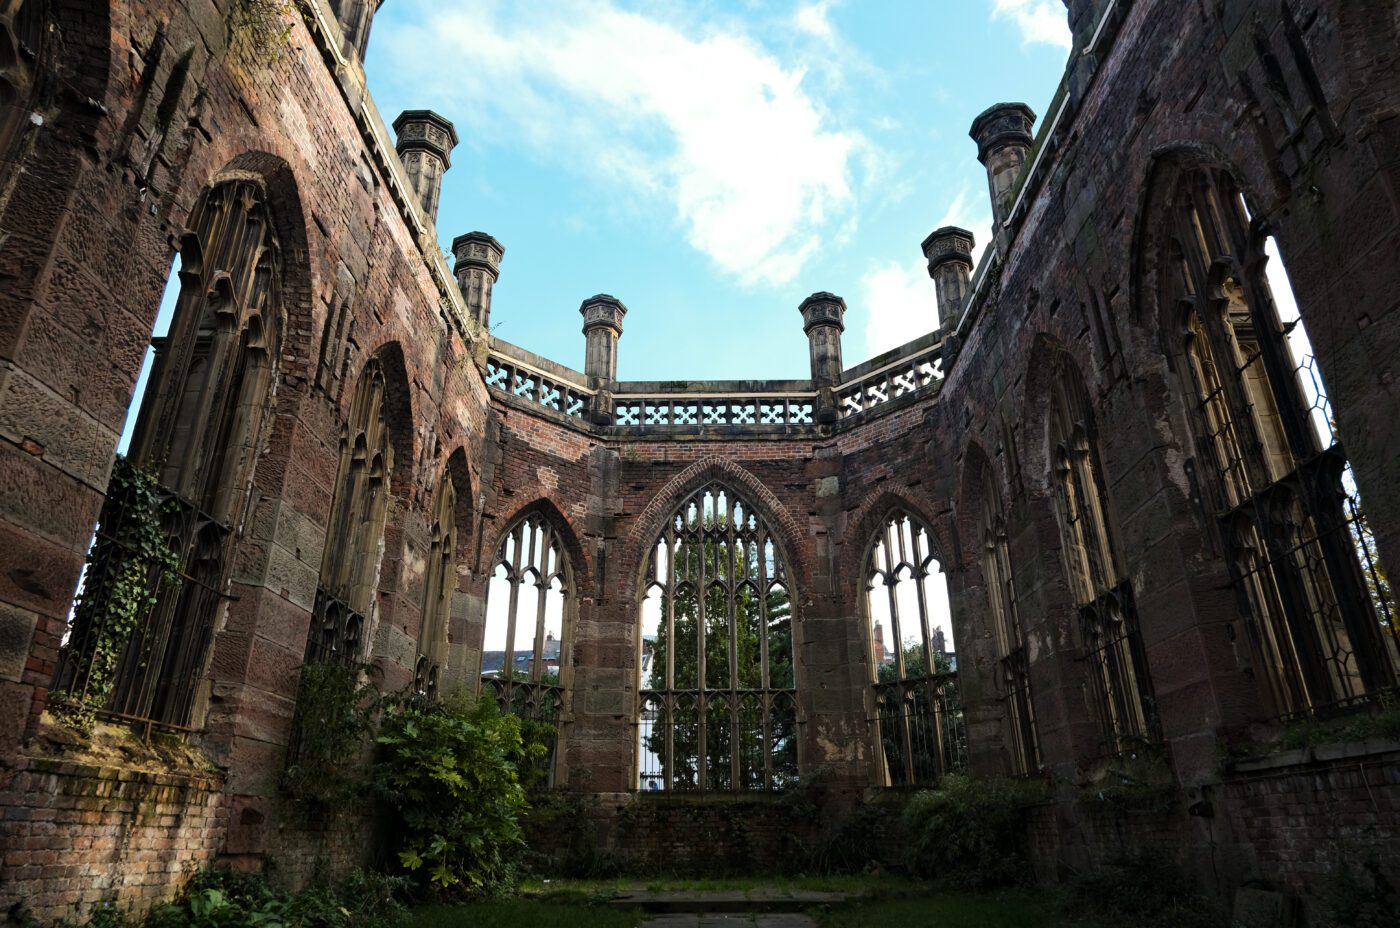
{"x":157,"y":672}
{"x":1016,"y":690}
{"x":1117,"y":687}
{"x":532,"y":700}
{"x":723,"y":591}
{"x":922,"y":731}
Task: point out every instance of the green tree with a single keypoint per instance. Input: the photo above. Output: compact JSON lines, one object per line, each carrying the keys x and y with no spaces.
{"x":735,"y":703}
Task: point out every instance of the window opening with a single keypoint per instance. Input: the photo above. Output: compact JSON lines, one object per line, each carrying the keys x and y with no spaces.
{"x":918,"y":717}
{"x":355,"y":536}
{"x":1117,"y":687}
{"x":439,"y":585}
{"x":718,"y":700}
{"x":1013,"y":662}
{"x":1321,"y":613}
{"x":195,"y":430}
{"x":526,"y":651}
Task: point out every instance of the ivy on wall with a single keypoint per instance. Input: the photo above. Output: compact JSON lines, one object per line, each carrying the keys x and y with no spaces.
{"x":127,"y":564}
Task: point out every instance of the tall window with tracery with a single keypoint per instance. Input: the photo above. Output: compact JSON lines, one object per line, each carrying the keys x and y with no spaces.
{"x":1321,"y":615}
{"x":438,"y":587}
{"x":526,"y":651}
{"x":718,"y":701}
{"x":918,"y":716}
{"x":1118,"y":688}
{"x":1013,"y":678}
{"x":355,"y":536}
{"x":197,"y":433}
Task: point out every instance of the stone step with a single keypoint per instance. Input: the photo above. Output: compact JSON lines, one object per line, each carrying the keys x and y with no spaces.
{"x":724,"y":902}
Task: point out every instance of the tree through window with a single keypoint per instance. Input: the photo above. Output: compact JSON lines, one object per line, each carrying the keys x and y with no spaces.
{"x":718,"y":707}
{"x":918,"y":713}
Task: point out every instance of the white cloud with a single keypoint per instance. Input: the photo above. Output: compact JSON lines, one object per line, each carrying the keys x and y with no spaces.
{"x":705,"y":118}
{"x":900,"y":304}
{"x":814,"y":19}
{"x":1039,"y":21}
{"x":899,"y":299}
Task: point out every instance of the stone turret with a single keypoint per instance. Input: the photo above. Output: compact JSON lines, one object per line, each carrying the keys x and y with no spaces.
{"x":425,"y":142}
{"x":1003,"y":137}
{"x":949,"y":254}
{"x":823,"y":319}
{"x":602,"y":327}
{"x":477,"y":269}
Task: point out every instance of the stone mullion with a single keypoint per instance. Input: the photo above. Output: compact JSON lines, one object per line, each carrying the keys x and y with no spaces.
{"x":514,"y":580}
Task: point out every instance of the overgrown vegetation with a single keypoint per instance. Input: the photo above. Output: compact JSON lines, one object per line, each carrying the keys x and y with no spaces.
{"x":968,"y":833}
{"x":1146,"y":891}
{"x":260,"y":29}
{"x":450,"y":771}
{"x":126,"y":566}
{"x":1378,"y":720}
{"x":335,"y":714}
{"x":223,"y":899}
{"x":1360,"y":896}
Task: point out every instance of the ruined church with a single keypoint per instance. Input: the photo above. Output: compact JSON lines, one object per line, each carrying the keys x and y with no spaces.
{"x":1155,"y":498}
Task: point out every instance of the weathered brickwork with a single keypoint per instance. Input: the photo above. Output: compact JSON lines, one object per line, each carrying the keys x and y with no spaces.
{"x":136,"y":110}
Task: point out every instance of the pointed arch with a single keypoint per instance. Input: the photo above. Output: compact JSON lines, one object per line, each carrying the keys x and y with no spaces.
{"x":398,"y":413}
{"x":715,"y":469}
{"x":865,"y":519}
{"x":448,"y":530}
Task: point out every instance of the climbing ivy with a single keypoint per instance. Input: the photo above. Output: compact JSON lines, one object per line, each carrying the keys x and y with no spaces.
{"x":126,"y":567}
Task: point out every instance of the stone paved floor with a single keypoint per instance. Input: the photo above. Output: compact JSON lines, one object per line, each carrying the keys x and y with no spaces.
{"x":764,"y":920}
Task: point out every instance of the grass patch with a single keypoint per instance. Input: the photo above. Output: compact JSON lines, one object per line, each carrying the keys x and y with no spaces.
{"x":954,"y":910}
{"x":580,"y":912}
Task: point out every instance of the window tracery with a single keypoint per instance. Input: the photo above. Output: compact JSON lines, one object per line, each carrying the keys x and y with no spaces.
{"x":1012,"y":658}
{"x":1118,"y":689}
{"x":527,"y":648}
{"x":438,"y":587}
{"x":355,"y":534}
{"x":718,"y":701}
{"x":1321,"y":626}
{"x":197,"y":432}
{"x":918,"y":717}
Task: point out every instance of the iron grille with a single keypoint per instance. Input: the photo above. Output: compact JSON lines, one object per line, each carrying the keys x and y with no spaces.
{"x":922,"y":730}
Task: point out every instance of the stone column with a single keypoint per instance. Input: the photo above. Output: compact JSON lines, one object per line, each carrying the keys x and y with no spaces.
{"x":355,"y":18}
{"x":477,"y":269}
{"x":425,"y":142}
{"x":949,"y":254}
{"x":602,"y":327}
{"x":1003,"y":137}
{"x":823,"y":319}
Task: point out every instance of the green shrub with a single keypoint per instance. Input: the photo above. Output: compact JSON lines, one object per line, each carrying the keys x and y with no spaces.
{"x":968,"y":832}
{"x":450,"y":771}
{"x":223,"y":899}
{"x":1360,"y":896}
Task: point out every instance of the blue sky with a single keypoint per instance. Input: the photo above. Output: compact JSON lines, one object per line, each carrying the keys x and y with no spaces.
{"x":712,"y":163}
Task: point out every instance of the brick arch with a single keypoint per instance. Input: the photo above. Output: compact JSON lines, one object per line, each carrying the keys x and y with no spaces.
{"x":398,"y":401}
{"x":867,"y":517}
{"x":457,"y":471}
{"x":1049,"y":359}
{"x":714,"y":469}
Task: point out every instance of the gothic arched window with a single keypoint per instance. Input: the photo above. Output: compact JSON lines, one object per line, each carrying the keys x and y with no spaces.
{"x":526,"y":652}
{"x":345,"y":595}
{"x":718,"y":702}
{"x":21,"y":34}
{"x":1321,"y":616}
{"x":196,"y":435}
{"x":918,"y":718}
{"x":438,"y":587}
{"x":1118,"y":689}
{"x":1013,"y":662}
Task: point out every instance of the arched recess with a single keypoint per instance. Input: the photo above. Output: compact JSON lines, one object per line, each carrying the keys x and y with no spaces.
{"x":1063,"y":439}
{"x":449,"y":533}
{"x":376,"y":436}
{"x":197,"y":438}
{"x":983,"y":524}
{"x":716,"y":650}
{"x":1282,"y":504}
{"x":531,"y":616}
{"x":913,"y":701}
